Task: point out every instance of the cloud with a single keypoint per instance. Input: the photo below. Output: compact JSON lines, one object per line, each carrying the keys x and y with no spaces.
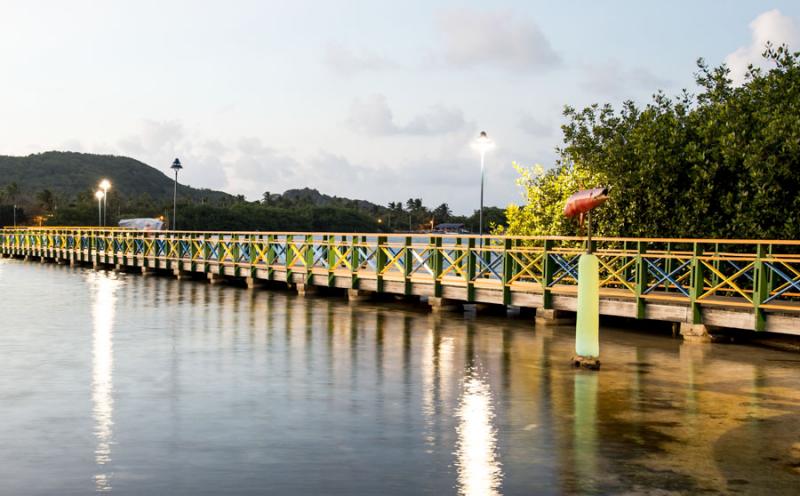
{"x":373,"y":116}
{"x":612,"y":78}
{"x":497,"y":38}
{"x":535,"y":127}
{"x":346,"y":61}
{"x":771,"y":26}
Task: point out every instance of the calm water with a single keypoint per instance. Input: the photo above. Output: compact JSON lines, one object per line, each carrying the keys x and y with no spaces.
{"x":133,"y":385}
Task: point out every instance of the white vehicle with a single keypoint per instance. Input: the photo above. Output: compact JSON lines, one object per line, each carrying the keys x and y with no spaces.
{"x":142,"y":224}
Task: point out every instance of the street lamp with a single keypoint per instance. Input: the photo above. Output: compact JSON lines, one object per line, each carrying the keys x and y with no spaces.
{"x":483,"y":144}
{"x":176,"y":166}
{"x":105,"y":184}
{"x":100,"y":196}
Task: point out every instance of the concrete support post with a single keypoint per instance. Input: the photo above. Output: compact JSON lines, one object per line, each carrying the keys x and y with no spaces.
{"x":358,"y":295}
{"x":146,"y":271}
{"x":551,"y":317}
{"x":695,"y":333}
{"x":305,"y":289}
{"x":439,"y":304}
{"x":213,"y":278}
{"x":250,"y":282}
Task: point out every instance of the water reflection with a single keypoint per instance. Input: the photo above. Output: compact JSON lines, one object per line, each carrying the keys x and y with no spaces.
{"x":479,"y":470}
{"x":216,"y":390}
{"x":103,"y":302}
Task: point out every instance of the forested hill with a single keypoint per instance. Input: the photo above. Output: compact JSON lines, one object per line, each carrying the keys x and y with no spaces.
{"x":70,"y":174}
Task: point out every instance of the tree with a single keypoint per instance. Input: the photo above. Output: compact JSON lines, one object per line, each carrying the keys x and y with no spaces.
{"x":442,"y":213}
{"x":722,"y":163}
{"x":46,"y":199}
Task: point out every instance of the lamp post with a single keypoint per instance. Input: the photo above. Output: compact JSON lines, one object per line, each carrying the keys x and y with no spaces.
{"x":100,"y":196}
{"x":176,"y":166}
{"x":483,"y":144}
{"x":105,"y":184}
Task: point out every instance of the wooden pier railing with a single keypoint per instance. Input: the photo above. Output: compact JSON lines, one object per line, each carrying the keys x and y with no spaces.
{"x":747,"y":284}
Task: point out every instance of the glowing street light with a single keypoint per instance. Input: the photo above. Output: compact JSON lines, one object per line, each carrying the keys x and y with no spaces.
{"x":483,"y":144}
{"x":100,"y":196}
{"x":105,"y":185}
{"x":176,"y":166}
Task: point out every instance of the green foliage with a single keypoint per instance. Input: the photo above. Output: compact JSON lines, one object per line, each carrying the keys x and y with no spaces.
{"x":545,"y":195}
{"x":722,"y":163}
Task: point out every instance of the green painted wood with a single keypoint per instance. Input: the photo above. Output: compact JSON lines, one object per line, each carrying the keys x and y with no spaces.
{"x":697,"y":284}
{"x":761,"y":286}
{"x":508,"y":270}
{"x":380,"y":262}
{"x":641,"y":279}
{"x":308,"y":257}
{"x":471,"y":270}
{"x":436,"y":268}
{"x":549,"y":270}
{"x":408,"y":264}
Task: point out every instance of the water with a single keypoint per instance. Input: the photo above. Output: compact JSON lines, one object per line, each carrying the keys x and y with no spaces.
{"x":133,"y":385}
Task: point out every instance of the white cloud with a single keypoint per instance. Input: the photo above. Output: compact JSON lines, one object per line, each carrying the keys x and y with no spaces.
{"x":346,"y":61}
{"x":771,"y":26}
{"x":535,"y":126}
{"x":499,"y":38}
{"x":373,"y":116}
{"x":612,"y":78}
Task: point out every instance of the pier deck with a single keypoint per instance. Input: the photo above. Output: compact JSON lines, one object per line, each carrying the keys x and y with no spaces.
{"x":744,"y":284}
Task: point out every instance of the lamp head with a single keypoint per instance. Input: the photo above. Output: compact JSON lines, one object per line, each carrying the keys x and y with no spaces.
{"x":176,"y":165}
{"x":99,"y":195}
{"x":483,"y":143}
{"x":105,"y":184}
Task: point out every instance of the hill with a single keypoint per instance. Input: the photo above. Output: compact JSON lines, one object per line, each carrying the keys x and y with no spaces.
{"x":69,"y":174}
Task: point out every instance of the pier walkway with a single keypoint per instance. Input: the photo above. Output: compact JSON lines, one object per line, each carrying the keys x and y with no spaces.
{"x":743,"y":284}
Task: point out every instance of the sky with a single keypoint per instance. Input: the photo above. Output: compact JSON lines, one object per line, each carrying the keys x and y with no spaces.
{"x":372,"y":100}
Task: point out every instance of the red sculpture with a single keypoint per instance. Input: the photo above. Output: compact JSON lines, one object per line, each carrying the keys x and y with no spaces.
{"x":582,"y":202}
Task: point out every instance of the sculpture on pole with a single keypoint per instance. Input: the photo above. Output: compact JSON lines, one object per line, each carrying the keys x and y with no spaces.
{"x":587,"y":326}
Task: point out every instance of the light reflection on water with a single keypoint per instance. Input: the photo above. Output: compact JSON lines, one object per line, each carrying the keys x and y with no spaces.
{"x":479,"y":471}
{"x":103,"y":305}
{"x":136,"y":385}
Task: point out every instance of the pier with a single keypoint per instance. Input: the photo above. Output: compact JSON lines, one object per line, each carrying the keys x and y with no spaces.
{"x":695,"y":283}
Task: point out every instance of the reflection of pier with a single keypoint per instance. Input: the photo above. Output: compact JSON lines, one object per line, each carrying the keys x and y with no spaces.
{"x":727,"y":283}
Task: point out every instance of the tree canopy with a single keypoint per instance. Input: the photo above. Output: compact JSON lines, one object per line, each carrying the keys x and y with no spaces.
{"x":722,"y":163}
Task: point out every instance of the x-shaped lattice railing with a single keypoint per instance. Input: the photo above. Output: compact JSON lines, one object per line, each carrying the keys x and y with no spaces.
{"x":663,"y":275}
{"x":727,"y":281}
{"x":616,"y":275}
{"x":491,"y":266}
{"x":421,"y":260}
{"x":567,"y":268}
{"x":527,"y":262}
{"x":791,"y":282}
{"x":394,"y":262}
{"x":453,"y":259}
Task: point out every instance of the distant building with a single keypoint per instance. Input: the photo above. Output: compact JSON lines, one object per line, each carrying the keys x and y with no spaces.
{"x":450,"y":228}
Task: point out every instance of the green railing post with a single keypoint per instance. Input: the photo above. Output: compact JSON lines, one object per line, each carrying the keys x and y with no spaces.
{"x":206,"y":252}
{"x":380,"y":262}
{"x":270,"y":261}
{"x":641,"y":279}
{"x":330,"y":256}
{"x":508,"y":270}
{"x":355,"y":263}
{"x":761,"y":287}
{"x":437,"y":258}
{"x":289,"y":258}
{"x":251,"y":250}
{"x":408,"y":264}
{"x":697,"y":284}
{"x":668,"y":263}
{"x":308,"y":257}
{"x":471,"y":270}
{"x":547,"y":279}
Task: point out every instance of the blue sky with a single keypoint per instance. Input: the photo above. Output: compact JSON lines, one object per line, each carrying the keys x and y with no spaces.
{"x":374,"y":100}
